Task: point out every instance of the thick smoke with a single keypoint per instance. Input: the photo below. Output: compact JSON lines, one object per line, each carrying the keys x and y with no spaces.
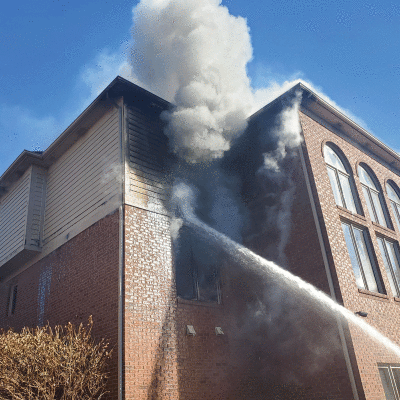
{"x":194,"y":54}
{"x":288,"y":138}
{"x":196,"y":57}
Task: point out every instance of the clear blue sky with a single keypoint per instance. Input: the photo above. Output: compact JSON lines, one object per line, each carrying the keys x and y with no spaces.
{"x":56,"y":55}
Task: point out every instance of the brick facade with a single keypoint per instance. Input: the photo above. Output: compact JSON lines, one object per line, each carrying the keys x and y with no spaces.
{"x":382,"y":309}
{"x":75,"y":281}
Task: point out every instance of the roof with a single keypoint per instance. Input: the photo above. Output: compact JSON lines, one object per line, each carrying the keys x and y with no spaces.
{"x":318,"y":108}
{"x":103,"y":102}
{"x":311,"y":103}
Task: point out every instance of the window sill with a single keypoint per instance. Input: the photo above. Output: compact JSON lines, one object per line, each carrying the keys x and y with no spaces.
{"x":198,"y":303}
{"x":375,"y":294}
{"x":359,"y":216}
{"x":383,"y":227}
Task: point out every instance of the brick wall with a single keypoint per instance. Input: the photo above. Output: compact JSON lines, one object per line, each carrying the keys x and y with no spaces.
{"x":383,"y":310}
{"x":78,"y":279}
{"x":150,"y":307}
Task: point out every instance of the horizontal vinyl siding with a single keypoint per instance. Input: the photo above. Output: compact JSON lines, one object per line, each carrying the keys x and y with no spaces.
{"x":37,"y":198}
{"x":84,"y":179}
{"x":147,"y":143}
{"x":13,"y":212}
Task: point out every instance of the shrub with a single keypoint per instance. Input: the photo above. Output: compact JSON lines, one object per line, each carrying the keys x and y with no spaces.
{"x":64,"y":364}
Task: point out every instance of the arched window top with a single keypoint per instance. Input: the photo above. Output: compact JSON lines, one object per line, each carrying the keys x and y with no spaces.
{"x":392,"y":192}
{"x":366,"y":178}
{"x":333,"y":159}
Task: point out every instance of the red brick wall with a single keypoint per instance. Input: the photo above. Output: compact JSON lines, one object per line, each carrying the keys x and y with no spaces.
{"x":150,"y":306}
{"x":161,"y":360}
{"x":84,"y":281}
{"x":383,"y":311}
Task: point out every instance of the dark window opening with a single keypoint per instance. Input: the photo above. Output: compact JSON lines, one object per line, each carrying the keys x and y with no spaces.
{"x":197,"y":268}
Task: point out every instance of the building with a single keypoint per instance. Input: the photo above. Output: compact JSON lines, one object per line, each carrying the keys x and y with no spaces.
{"x":85,"y":230}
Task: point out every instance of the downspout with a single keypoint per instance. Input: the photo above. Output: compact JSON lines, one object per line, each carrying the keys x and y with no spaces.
{"x":328,"y":275}
{"x":121,"y":249}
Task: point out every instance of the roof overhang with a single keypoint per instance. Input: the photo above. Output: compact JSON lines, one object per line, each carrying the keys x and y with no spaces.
{"x":315,"y":106}
{"x":119,"y":87}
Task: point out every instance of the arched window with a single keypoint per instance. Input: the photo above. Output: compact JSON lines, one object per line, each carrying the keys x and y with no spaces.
{"x":394,"y":201}
{"x":372,"y":197}
{"x":340,"y":180}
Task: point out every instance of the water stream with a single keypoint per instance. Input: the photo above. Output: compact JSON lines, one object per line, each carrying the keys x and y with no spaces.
{"x":248,"y":259}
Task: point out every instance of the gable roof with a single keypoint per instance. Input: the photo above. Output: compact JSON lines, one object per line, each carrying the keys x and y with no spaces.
{"x":119,"y":87}
{"x":311,"y":104}
{"x":316,"y":107}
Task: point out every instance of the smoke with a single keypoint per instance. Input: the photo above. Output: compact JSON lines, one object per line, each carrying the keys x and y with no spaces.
{"x":288,"y":137}
{"x":232,"y":172}
{"x":196,"y":58}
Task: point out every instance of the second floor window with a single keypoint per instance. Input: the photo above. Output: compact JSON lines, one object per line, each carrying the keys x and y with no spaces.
{"x":394,"y":202}
{"x":372,"y":197}
{"x":340,"y":180}
{"x":360,"y":256}
{"x":197,"y":268}
{"x":390,"y":255}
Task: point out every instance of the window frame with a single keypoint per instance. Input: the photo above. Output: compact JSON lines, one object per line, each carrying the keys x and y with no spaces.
{"x":394,"y":386}
{"x":395,"y":205}
{"x":192,"y":268}
{"x":389,"y":262}
{"x":368,"y":245}
{"x":374,"y":217}
{"x":348,"y":176}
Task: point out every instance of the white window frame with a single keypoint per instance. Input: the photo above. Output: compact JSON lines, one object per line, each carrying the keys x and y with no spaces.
{"x":395,"y":205}
{"x":394,"y":387}
{"x":389,"y":262}
{"x":337,"y":173}
{"x":369,"y":189}
{"x":368,"y":246}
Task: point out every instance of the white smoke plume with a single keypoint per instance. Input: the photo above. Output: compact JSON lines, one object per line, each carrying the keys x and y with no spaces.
{"x":194,"y":53}
{"x":288,"y":135}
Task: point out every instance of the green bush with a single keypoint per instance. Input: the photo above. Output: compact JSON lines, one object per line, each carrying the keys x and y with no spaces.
{"x":64,"y":364}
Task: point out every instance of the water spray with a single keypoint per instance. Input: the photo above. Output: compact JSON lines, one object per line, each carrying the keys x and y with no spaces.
{"x":248,"y":259}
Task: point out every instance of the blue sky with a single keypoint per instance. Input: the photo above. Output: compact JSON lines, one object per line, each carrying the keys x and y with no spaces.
{"x":57,"y":55}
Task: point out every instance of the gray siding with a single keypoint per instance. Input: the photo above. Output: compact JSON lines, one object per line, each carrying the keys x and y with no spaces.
{"x":13,"y":216}
{"x":83,"y":185}
{"x":146,"y":187}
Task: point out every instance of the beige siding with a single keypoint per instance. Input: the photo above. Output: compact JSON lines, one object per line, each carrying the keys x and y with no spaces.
{"x":146,"y":179}
{"x":83,"y":185}
{"x":13,"y":215}
{"x":36,"y":207}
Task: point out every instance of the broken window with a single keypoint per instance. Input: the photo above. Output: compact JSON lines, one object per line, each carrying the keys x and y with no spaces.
{"x":197,"y":267}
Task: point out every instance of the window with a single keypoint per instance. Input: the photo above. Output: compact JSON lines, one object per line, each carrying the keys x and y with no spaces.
{"x":340,"y":180}
{"x":12,"y":300}
{"x":197,"y":268}
{"x":360,"y":255}
{"x":390,"y":376}
{"x":394,"y":202}
{"x":390,"y":255}
{"x":372,"y":197}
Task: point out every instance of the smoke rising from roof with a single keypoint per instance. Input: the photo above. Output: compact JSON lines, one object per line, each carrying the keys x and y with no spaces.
{"x":197,"y":59}
{"x":194,"y":54}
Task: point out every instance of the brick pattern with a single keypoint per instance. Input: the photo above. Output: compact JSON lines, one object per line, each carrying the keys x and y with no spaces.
{"x":161,"y":360}
{"x":383,"y":311}
{"x":150,"y":306}
{"x":76,"y":280}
